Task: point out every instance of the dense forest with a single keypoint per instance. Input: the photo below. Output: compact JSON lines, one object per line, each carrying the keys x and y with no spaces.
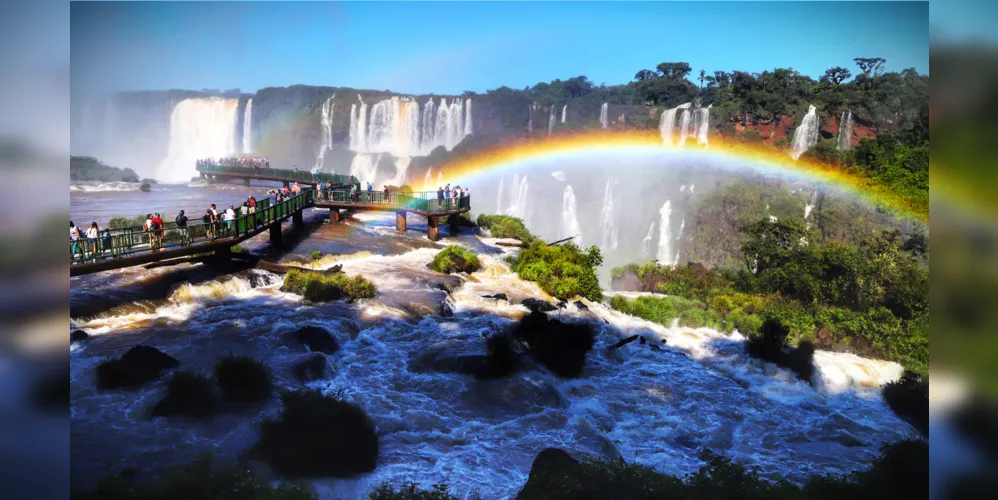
{"x":86,"y":168}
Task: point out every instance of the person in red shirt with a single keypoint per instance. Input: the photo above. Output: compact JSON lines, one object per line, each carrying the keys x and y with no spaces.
{"x":252,"y":204}
{"x":157,"y":227}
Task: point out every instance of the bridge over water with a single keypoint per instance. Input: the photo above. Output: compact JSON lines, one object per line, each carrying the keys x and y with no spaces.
{"x":133,"y":246}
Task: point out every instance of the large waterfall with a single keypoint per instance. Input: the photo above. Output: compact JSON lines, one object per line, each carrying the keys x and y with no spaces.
{"x":515,"y":204}
{"x":646,"y":242}
{"x":199,"y":128}
{"x":608,"y":216}
{"x":550,"y":119}
{"x":809,"y":206}
{"x":806,"y":135}
{"x":326,"y":122}
{"x":570,"y":227}
{"x":665,"y":255}
{"x":603,"y":118}
{"x":530,"y":119}
{"x":693,"y":122}
{"x":845,"y":131}
{"x":701,"y":125}
{"x":684,"y":126}
{"x":564,"y":109}
{"x":248,"y":127}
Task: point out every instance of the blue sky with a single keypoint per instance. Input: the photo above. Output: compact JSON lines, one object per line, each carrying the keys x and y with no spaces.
{"x":450,"y":47}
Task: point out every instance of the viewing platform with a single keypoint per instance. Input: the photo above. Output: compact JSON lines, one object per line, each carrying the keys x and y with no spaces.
{"x":214,"y":170}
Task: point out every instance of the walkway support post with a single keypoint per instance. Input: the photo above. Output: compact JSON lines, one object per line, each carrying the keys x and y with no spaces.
{"x":432,"y":228}
{"x":276,"y":238}
{"x":296,"y":219}
{"x":400,"y":221}
{"x":223,"y":254}
{"x":334,"y":215}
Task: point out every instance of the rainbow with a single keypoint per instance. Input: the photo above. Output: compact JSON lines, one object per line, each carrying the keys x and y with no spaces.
{"x":762,"y":158}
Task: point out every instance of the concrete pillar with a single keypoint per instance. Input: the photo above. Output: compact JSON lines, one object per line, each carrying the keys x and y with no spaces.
{"x":246,"y":181}
{"x":223,"y":254}
{"x":334,"y":215}
{"x":296,"y":218}
{"x":432,"y":229}
{"x":400,"y":220}
{"x":276,"y":238}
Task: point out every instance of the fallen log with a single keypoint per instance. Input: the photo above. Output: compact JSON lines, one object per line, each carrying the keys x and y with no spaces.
{"x":624,"y":342}
{"x":282,"y":269}
{"x":509,"y":242}
{"x":560,"y":241}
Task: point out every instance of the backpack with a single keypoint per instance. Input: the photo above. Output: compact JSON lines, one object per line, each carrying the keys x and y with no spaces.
{"x":181,"y":220}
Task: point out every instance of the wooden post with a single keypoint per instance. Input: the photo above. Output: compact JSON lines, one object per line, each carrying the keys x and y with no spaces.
{"x":276,"y":238}
{"x":400,"y":221}
{"x":432,"y":229}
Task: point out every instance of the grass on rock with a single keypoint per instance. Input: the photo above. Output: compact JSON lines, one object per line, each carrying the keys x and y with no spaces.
{"x":319,"y":287}
{"x":455,"y":259}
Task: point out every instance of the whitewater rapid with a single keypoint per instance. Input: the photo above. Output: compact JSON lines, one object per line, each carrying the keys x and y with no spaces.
{"x":655,"y":407}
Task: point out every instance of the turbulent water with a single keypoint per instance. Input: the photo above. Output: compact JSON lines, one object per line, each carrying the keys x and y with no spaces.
{"x":199,"y":128}
{"x":845,"y":131}
{"x":658,"y":408}
{"x":806,"y":134}
{"x":248,"y":126}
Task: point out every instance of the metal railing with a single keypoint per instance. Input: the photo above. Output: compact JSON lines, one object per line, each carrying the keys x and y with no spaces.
{"x":282,"y":174}
{"x":423,"y":202}
{"x":123,"y":242}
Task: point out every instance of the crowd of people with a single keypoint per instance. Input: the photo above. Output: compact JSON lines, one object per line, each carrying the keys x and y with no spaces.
{"x":236,"y":161}
{"x":446,"y":193}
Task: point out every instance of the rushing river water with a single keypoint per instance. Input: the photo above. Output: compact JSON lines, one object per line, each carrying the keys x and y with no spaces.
{"x":655,"y":407}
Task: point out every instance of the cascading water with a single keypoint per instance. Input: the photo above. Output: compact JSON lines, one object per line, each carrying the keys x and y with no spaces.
{"x":468,"y":128}
{"x":518,"y":197}
{"x":499,"y":197}
{"x":569,"y":219}
{"x":702,"y":125}
{"x":806,"y":135}
{"x":550,"y":119}
{"x":685,"y":127}
{"x":608,"y":216}
{"x":530,"y":119}
{"x":564,"y":109}
{"x":667,"y":125}
{"x":844,"y":141}
{"x":647,"y":241}
{"x":665,"y":253}
{"x":679,"y":239}
{"x":428,"y":137}
{"x":199,"y":128}
{"x":809,"y":206}
{"x":248,"y":127}
{"x":326,"y":124}
{"x":603,"y":115}
{"x":365,"y":167}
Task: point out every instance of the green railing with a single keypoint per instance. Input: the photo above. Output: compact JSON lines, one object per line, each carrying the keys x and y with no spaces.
{"x":282,"y":174}
{"x":129,"y":241}
{"x":423,"y":202}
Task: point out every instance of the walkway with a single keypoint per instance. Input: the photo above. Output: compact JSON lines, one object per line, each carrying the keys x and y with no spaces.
{"x":212,"y":171}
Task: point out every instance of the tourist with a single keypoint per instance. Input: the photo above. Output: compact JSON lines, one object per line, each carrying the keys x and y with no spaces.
{"x":208,"y":220}
{"x":74,"y":237}
{"x":370,"y":192}
{"x":157,"y":227}
{"x":181,"y":221}
{"x":440,"y":193}
{"x":447,"y":191}
{"x":147,"y":227}
{"x":387,"y":195}
{"x":92,"y":235}
{"x":467,"y":199}
{"x":230,"y":218}
{"x":252,"y":204}
{"x":107,"y":240}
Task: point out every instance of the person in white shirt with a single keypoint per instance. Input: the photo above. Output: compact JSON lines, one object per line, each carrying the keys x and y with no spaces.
{"x":230,"y":217}
{"x":92,"y":235}
{"x":74,"y":237}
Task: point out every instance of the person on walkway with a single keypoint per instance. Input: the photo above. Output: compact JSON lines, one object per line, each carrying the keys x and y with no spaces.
{"x":447,"y":191}
{"x":106,"y":241}
{"x":208,"y":219}
{"x":157,"y":226}
{"x":370,"y":192}
{"x":440,"y":193}
{"x":74,"y":238}
{"x":230,"y":218}
{"x":467,"y":198}
{"x":93,"y":233}
{"x":181,"y":221}
{"x":147,"y":227}
{"x":387,"y":195}
{"x":252,"y":204}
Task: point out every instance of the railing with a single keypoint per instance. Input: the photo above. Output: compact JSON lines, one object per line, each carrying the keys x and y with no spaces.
{"x":290,"y":175}
{"x":128,"y":241}
{"x":423,"y":202}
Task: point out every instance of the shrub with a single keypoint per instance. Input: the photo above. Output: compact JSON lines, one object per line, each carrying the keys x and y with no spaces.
{"x":199,"y":480}
{"x":563,"y":271}
{"x":664,"y":310}
{"x":318,"y":435}
{"x":411,"y":491}
{"x":316,"y":255}
{"x":319,"y":287}
{"x":120,"y":222}
{"x":455,"y":259}
{"x":243,"y":379}
{"x":504,"y":226}
{"x":561,"y":347}
{"x":909,"y":398}
{"x":145,"y":187}
{"x":771,"y":344}
{"x":189,"y":394}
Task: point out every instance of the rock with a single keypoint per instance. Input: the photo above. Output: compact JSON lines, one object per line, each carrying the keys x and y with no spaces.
{"x":536,"y":305}
{"x":312,"y":367}
{"x":581,"y":306}
{"x":771,"y":345}
{"x":627,"y":282}
{"x":317,"y":339}
{"x":555,"y":474}
{"x":626,"y":341}
{"x":552,"y":460}
{"x":141,"y":364}
{"x":445,"y":309}
{"x":78,"y":336}
{"x":698,"y":269}
{"x":561,"y":347}
{"x":498,"y":296}
{"x":447,"y":286}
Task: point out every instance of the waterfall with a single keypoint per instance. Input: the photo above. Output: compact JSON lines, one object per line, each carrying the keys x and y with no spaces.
{"x":199,"y":128}
{"x":603,"y":111}
{"x":806,"y":135}
{"x":550,"y":119}
{"x":499,"y":197}
{"x":467,"y":118}
{"x":684,"y":127}
{"x":398,"y":127}
{"x":665,"y":254}
{"x":845,"y":131}
{"x":608,"y":216}
{"x":679,"y":240}
{"x":667,"y":125}
{"x":518,"y":197}
{"x":564,"y":109}
{"x":702,"y":125}
{"x":569,"y":219}
{"x":326,"y":122}
{"x":401,"y":168}
{"x":530,"y":119}
{"x":809,"y":206}
{"x":364,"y":167}
{"x":248,"y":127}
{"x":646,"y":243}
{"x":429,"y":137}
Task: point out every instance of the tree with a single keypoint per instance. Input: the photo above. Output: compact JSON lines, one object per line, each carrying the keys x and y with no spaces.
{"x":645,"y":74}
{"x":773,"y":244}
{"x":675,"y":70}
{"x":701,"y":78}
{"x":836,"y":75}
{"x":870,"y":66}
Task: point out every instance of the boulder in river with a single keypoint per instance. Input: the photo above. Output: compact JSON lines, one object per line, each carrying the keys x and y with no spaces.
{"x":78,"y":336}
{"x":312,"y":367}
{"x":317,"y":339}
{"x":537,"y":305}
{"x":771,"y":345}
{"x":498,"y":296}
{"x":581,"y":306}
{"x":561,"y":347}
{"x":141,"y":364}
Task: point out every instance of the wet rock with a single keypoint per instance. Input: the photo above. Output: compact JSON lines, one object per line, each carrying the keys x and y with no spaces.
{"x":317,"y":339}
{"x":141,"y":364}
{"x":445,"y":309}
{"x":536,"y":305}
{"x":448,"y":286}
{"x":771,"y":345}
{"x":78,"y":336}
{"x":626,"y":341}
{"x":187,"y":394}
{"x":498,"y":296}
{"x":554,"y":474}
{"x":627,"y":282}
{"x":561,"y":347}
{"x":581,"y":306}
{"x":312,"y":367}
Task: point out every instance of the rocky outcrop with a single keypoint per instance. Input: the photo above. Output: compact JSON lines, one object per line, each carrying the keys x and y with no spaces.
{"x":312,"y":367}
{"x":537,"y":305}
{"x":141,"y":364}
{"x":317,"y":339}
{"x":78,"y":336}
{"x":561,"y":347}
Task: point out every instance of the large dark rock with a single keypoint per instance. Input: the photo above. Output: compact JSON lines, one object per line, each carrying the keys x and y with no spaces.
{"x":312,"y":367}
{"x":554,"y":474}
{"x":772,"y":345}
{"x":187,"y":394}
{"x":78,"y":336}
{"x":561,"y":347}
{"x":445,"y":309}
{"x":580,"y":305}
{"x":317,"y":339}
{"x":537,"y":305}
{"x":909,"y":398}
{"x":141,"y":364}
{"x":243,"y":379}
{"x":498,"y":296}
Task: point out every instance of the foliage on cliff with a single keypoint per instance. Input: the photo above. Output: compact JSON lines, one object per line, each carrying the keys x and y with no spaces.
{"x":871,"y":297}
{"x":504,"y":226}
{"x":563,"y":271}
{"x":87,"y":168}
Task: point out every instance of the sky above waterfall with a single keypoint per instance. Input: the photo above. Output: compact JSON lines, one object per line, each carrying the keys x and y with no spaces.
{"x":450,"y":47}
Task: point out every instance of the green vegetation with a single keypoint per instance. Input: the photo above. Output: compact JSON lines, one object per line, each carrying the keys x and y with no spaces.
{"x":563,"y":271}
{"x":86,"y":168}
{"x":504,"y":226}
{"x":124,"y":222}
{"x":238,"y":249}
{"x":455,"y":259}
{"x":145,"y":187}
{"x":870,"y":297}
{"x":202,"y":479}
{"x":243,"y":378}
{"x":321,"y":287}
{"x":316,"y":255}
{"x":411,"y":491}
